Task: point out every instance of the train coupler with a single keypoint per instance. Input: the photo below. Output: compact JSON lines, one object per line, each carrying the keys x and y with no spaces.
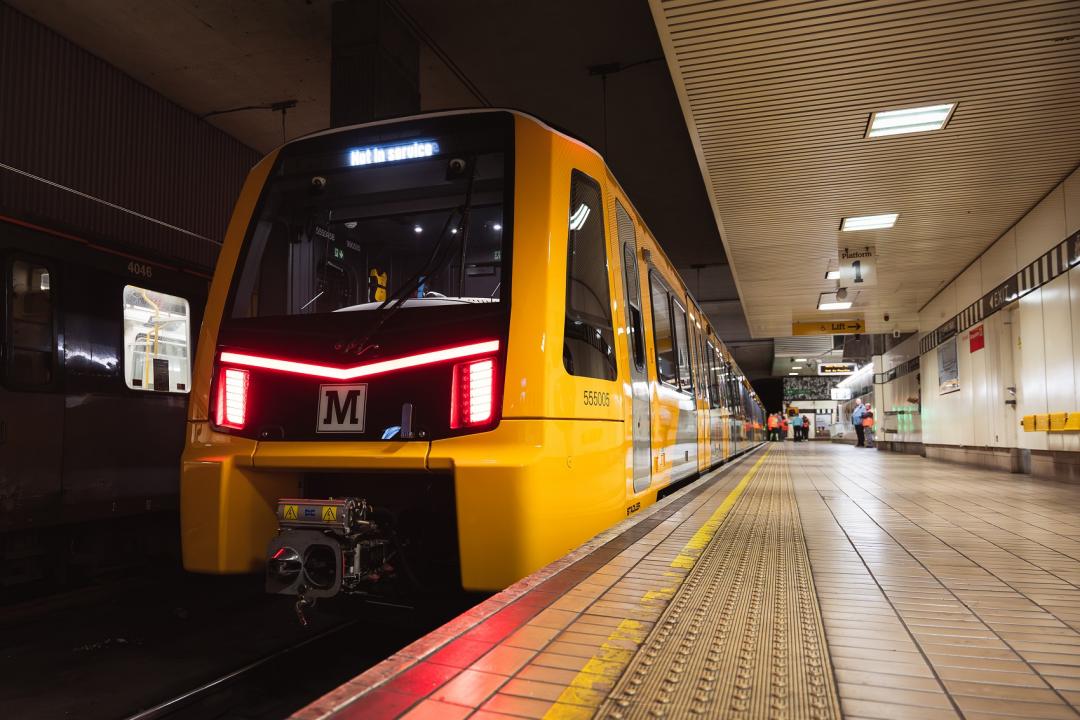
{"x":325,"y":547}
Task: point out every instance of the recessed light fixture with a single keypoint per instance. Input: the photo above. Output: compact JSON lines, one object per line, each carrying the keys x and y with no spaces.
{"x":417,"y":229}
{"x":868,"y":222}
{"x":793,"y":373}
{"x":497,"y":226}
{"x":800,"y":359}
{"x":796,"y":367}
{"x":829,"y":301}
{"x":909,"y":120}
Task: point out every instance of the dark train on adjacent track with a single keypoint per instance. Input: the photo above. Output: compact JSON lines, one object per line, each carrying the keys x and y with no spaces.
{"x":95,"y":372}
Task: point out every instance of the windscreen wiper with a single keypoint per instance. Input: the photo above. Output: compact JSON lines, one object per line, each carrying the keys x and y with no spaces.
{"x":440,"y":256}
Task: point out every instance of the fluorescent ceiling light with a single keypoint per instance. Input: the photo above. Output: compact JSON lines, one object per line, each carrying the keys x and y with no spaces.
{"x":800,"y":359}
{"x":796,"y":367}
{"x":868,"y":222}
{"x":829,"y":301}
{"x":793,"y":373}
{"x":832,"y":275}
{"x":909,"y":120}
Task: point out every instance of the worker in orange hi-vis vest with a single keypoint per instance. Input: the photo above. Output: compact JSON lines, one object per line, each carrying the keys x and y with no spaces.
{"x":868,"y":426}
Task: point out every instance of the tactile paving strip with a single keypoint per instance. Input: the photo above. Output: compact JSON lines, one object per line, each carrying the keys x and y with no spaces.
{"x":743,"y":637}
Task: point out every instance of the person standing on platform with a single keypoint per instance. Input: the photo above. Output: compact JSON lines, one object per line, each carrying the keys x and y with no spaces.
{"x":783,"y":428}
{"x":856,"y":421}
{"x":774,"y":428}
{"x":868,"y":426}
{"x":805,"y":428}
{"x":796,"y":423}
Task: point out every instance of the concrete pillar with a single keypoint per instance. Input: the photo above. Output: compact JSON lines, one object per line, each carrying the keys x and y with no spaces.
{"x":375,"y":64}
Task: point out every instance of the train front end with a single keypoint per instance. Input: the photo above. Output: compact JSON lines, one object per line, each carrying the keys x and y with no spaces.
{"x":368,"y":410}
{"x":363,"y":315}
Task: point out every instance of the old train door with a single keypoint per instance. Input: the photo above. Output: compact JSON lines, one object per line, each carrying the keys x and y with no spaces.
{"x":635,"y":338}
{"x":31,"y":406}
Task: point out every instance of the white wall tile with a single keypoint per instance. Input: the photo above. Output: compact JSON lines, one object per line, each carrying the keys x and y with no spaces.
{"x":998,"y":262}
{"x":1042,"y":228}
{"x":968,"y":287}
{"x":1031,"y":370}
{"x":1072,"y":202}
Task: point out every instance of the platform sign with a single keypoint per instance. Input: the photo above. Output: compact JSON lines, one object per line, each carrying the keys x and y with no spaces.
{"x":840,"y":393}
{"x":853,"y":326}
{"x":858,"y":268}
{"x":838,"y":368}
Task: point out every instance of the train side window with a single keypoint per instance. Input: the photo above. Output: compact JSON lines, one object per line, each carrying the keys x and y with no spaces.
{"x":588,"y":339}
{"x":157,"y":341}
{"x":686,"y":380}
{"x":33,"y":341}
{"x":628,"y":241}
{"x":714,"y":374}
{"x":662,"y":336}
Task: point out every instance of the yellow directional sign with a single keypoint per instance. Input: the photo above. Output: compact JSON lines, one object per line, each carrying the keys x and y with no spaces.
{"x":853,"y":326}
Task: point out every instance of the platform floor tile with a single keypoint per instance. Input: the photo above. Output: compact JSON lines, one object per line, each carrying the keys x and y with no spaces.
{"x":815,"y":580}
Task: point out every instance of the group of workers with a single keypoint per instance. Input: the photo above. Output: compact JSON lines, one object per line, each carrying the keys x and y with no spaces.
{"x":778,"y":424}
{"x":862,"y":418}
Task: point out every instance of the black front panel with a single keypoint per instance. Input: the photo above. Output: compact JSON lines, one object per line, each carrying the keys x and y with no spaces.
{"x":286,"y":406}
{"x":417,"y":510}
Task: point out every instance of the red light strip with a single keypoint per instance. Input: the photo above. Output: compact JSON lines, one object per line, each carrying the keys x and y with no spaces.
{"x":360,"y":371}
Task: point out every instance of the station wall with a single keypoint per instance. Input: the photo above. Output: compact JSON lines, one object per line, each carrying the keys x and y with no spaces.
{"x":68,"y":118}
{"x":1032,"y":345}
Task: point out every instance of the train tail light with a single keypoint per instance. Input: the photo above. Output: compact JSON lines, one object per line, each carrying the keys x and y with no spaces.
{"x":472,"y":395}
{"x":232,"y":397}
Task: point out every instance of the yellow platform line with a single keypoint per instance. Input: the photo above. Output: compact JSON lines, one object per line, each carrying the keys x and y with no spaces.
{"x":591,"y":685}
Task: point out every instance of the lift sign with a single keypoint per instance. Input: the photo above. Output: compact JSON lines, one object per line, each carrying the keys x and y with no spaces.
{"x":379,"y":154}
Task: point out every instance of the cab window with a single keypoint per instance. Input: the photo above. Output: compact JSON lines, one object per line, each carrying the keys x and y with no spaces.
{"x":588,"y":346}
{"x":157,"y":341}
{"x":32,"y":357}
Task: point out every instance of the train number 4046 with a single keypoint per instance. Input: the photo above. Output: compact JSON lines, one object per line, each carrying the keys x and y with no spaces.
{"x":140,"y":269}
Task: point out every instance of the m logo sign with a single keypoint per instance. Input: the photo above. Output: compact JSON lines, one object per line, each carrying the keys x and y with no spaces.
{"x":341,"y":408}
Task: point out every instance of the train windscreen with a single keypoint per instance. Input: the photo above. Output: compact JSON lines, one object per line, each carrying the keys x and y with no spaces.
{"x":411,"y":214}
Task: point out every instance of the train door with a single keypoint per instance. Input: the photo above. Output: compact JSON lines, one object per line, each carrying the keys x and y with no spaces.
{"x":641,"y":410}
{"x":31,"y":404}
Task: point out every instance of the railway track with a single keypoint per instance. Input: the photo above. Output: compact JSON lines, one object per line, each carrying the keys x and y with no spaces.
{"x":285,"y":680}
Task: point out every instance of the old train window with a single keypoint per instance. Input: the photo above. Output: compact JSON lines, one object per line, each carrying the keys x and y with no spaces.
{"x":33,"y":344}
{"x":662,"y":336}
{"x":157,"y":341}
{"x":588,"y":344}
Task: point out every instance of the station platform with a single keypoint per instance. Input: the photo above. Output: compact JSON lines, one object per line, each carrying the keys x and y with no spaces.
{"x":808,"y":580}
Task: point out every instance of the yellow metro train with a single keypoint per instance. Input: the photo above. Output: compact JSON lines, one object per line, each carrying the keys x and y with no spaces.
{"x":442,"y":349}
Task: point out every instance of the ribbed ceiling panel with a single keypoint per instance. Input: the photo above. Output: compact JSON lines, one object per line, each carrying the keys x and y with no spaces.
{"x":778,"y":94}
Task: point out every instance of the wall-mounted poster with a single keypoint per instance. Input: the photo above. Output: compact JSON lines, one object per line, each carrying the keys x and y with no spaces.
{"x":948,"y":371}
{"x":808,"y":387}
{"x":977,"y":339}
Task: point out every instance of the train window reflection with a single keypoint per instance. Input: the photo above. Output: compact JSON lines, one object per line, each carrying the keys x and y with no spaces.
{"x":588,"y":344}
{"x":32,"y":339}
{"x":662,"y":337}
{"x":157,"y":341}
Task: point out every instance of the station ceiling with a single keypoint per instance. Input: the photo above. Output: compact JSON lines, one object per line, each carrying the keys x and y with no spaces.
{"x":778,"y":96}
{"x":768,"y":101}
{"x":211,"y":55}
